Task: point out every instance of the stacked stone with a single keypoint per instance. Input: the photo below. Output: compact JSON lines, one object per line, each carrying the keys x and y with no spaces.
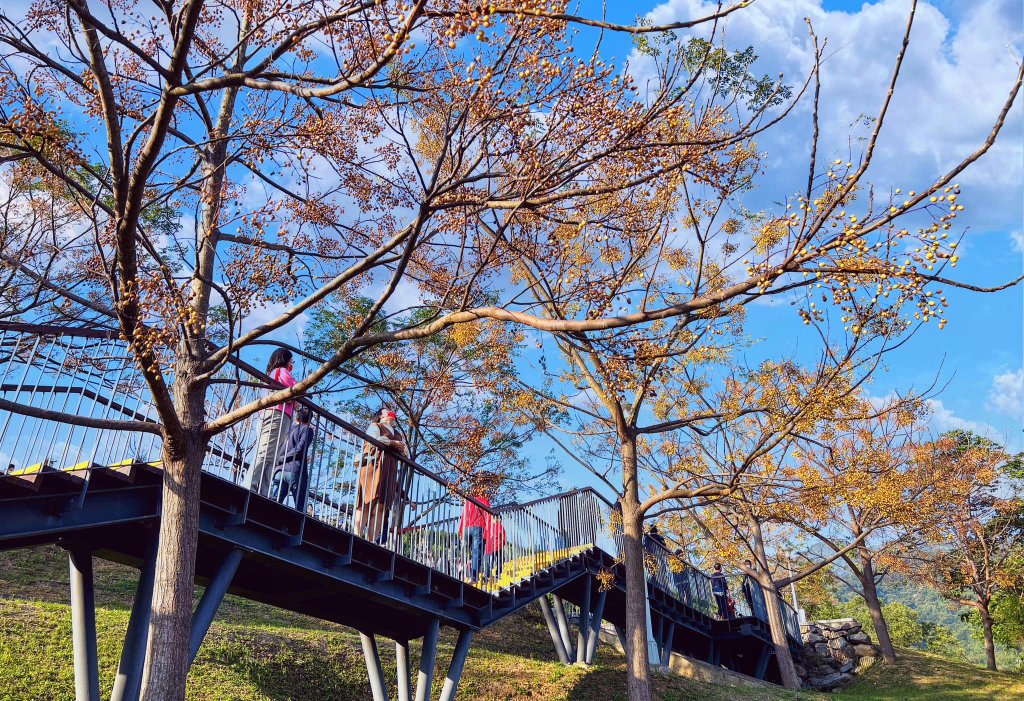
{"x":834,"y":651}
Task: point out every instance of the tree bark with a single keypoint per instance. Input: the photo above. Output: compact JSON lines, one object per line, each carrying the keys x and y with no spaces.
{"x":171,"y":617}
{"x":870,"y":592}
{"x":638,"y":685}
{"x":787,"y":669}
{"x":990,"y":644}
{"x":167,"y":652}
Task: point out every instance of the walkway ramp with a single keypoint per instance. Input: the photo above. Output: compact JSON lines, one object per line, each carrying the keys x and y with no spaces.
{"x":96,"y":492}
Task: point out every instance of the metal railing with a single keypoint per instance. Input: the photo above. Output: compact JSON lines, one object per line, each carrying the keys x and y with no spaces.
{"x":392,"y":501}
{"x":396,"y":503}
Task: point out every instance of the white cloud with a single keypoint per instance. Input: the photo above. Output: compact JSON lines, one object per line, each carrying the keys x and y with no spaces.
{"x":952,"y":85}
{"x":943,"y":419}
{"x":1018,"y":240}
{"x":1006,"y":395}
{"x":293,"y":332}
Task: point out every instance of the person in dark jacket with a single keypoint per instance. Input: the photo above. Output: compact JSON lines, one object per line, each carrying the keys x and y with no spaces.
{"x":294,"y":471}
{"x":654,"y":542}
{"x":720,"y":588}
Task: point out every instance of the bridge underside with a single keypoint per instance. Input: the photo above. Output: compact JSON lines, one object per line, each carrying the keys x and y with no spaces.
{"x":255,"y":548}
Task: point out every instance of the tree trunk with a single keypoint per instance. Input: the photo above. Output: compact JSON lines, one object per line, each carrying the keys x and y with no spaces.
{"x":173,"y":586}
{"x":167,"y":652}
{"x":787,"y":669}
{"x":990,"y":644}
{"x":867,"y":581}
{"x":638,"y":686}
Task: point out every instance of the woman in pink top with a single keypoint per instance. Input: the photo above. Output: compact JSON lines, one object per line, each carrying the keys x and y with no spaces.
{"x":275,"y":422}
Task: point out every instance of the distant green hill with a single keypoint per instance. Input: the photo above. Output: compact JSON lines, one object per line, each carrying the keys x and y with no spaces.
{"x":258,"y":653}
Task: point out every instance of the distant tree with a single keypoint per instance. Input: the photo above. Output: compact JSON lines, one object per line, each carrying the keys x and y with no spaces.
{"x":872,"y":478}
{"x":974,"y":556}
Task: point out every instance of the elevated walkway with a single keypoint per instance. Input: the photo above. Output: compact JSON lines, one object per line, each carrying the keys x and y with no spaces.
{"x":73,"y":486}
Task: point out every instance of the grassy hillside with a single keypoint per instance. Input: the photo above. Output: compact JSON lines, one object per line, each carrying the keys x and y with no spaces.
{"x":254,"y":652}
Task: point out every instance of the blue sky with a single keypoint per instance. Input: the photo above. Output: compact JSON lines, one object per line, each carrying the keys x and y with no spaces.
{"x":961,"y":63}
{"x":954,"y":80}
{"x":959,"y":67}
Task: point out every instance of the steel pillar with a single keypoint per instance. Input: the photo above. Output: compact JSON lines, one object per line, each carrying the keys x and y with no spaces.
{"x":595,"y":628}
{"x":427,"y":658}
{"x":656,"y":631}
{"x":762,"y":662}
{"x":666,"y":645}
{"x":451,"y":681}
{"x":402,"y":668}
{"x":83,"y":625}
{"x":620,"y":633}
{"x":128,"y":682}
{"x":208,"y":605}
{"x":556,"y":638}
{"x":563,"y":625}
{"x":583,"y":638}
{"x":373,"y":668}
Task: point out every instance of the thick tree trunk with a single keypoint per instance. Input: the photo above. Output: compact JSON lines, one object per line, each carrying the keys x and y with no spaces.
{"x":167,"y":651}
{"x":990,"y":644}
{"x":638,"y":686}
{"x":171,"y":618}
{"x":787,"y":669}
{"x":867,"y":581}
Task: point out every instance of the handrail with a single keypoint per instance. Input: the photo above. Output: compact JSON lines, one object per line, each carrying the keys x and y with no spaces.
{"x":269,"y":383}
{"x":326,"y":413}
{"x":48,"y":370}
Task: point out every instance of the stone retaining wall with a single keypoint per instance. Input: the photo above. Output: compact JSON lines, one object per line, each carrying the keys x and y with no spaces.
{"x":834,"y":651}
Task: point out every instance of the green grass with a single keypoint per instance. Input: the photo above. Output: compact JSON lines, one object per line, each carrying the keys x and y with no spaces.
{"x":921,"y":676}
{"x":257,"y":653}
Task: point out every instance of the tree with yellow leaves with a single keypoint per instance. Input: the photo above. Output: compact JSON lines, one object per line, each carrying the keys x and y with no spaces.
{"x":212,"y":160}
{"x":972,"y":552}
{"x":874,"y":479}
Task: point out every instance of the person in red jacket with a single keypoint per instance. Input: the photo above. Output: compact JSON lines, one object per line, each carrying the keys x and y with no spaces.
{"x":472,"y":529}
{"x":494,"y":537}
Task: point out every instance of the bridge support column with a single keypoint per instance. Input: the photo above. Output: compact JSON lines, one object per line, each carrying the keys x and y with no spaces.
{"x":556,"y":638}
{"x":83,"y":625}
{"x":583,"y":639}
{"x":657,"y":628}
{"x":208,"y":605}
{"x":402,"y":668}
{"x":373,"y":668}
{"x":762,"y":662}
{"x":427,"y":658}
{"x":666,"y":643}
{"x":595,"y":628}
{"x":620,"y":633}
{"x":128,"y":682}
{"x":451,"y":681}
{"x":563,"y":625}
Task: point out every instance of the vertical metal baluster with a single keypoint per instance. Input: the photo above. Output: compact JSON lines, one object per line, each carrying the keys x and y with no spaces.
{"x":78,"y":412}
{"x":105,"y":414}
{"x":39,"y":426}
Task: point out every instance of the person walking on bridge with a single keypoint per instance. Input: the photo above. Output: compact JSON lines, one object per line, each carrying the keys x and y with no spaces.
{"x":275,"y":423}
{"x":294,"y":471}
{"x":379,"y":487}
{"x":720,"y":588}
{"x":473,"y":526}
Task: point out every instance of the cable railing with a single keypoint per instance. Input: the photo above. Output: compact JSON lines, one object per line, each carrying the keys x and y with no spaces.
{"x":345,"y":479}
